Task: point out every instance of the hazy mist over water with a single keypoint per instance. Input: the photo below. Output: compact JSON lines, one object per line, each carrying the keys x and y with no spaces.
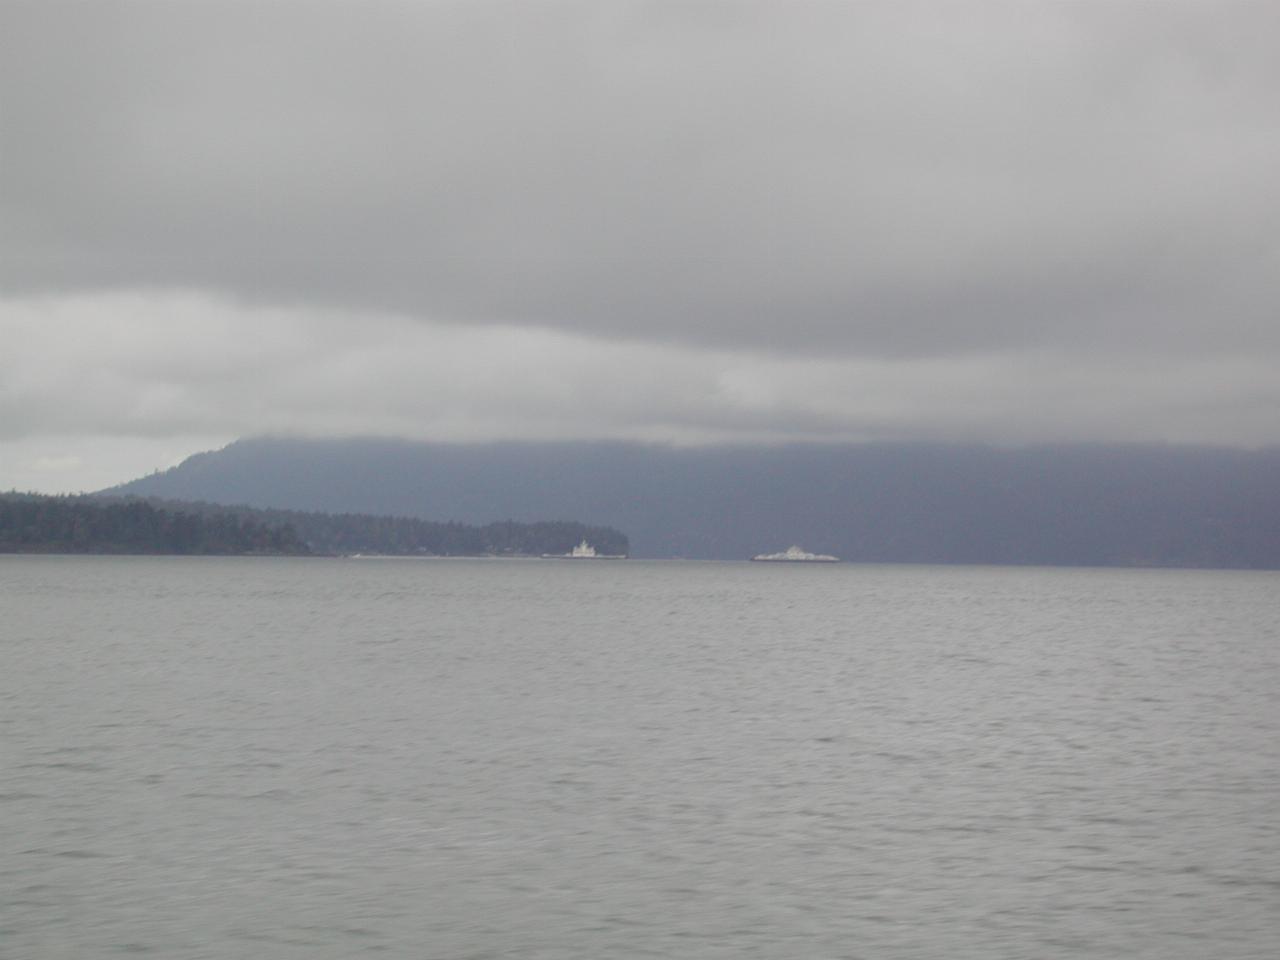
{"x":448,"y":759}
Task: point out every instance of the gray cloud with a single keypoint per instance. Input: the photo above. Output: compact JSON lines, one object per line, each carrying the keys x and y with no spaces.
{"x":689,"y":222}
{"x":190,"y":365}
{"x":887,"y":179}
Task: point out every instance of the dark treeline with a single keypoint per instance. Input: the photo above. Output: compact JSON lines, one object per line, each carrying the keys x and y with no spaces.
{"x":30,"y":523}
{"x":349,"y":533}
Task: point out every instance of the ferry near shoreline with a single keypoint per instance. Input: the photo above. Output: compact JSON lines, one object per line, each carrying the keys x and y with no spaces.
{"x":795,"y":555}
{"x":584,"y":551}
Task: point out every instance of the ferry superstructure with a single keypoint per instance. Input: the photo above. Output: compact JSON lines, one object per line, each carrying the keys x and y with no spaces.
{"x":794,"y":554}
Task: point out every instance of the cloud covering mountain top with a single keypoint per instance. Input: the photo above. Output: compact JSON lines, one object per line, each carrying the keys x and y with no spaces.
{"x":936,"y":219}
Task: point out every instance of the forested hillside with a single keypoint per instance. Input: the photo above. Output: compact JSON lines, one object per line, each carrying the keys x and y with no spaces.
{"x":37,"y":524}
{"x":917,"y":503}
{"x":348,"y":533}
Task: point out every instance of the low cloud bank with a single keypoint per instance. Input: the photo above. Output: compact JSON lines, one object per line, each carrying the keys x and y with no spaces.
{"x":166,"y":370}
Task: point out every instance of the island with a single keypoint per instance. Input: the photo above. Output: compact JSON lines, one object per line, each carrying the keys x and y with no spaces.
{"x":35,"y":523}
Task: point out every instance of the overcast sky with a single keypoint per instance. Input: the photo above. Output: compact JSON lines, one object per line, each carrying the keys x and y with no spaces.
{"x":684,"y":222}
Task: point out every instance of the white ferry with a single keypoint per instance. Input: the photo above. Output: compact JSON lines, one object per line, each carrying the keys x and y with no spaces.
{"x":795,"y":555}
{"x":584,"y":551}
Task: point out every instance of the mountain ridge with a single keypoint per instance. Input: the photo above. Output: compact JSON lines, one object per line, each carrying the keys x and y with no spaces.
{"x":923,"y":503}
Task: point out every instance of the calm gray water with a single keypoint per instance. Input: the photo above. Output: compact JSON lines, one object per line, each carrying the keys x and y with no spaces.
{"x":477,"y":759}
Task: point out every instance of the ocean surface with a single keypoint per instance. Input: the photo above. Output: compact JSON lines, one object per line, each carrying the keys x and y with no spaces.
{"x":267,"y":758}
